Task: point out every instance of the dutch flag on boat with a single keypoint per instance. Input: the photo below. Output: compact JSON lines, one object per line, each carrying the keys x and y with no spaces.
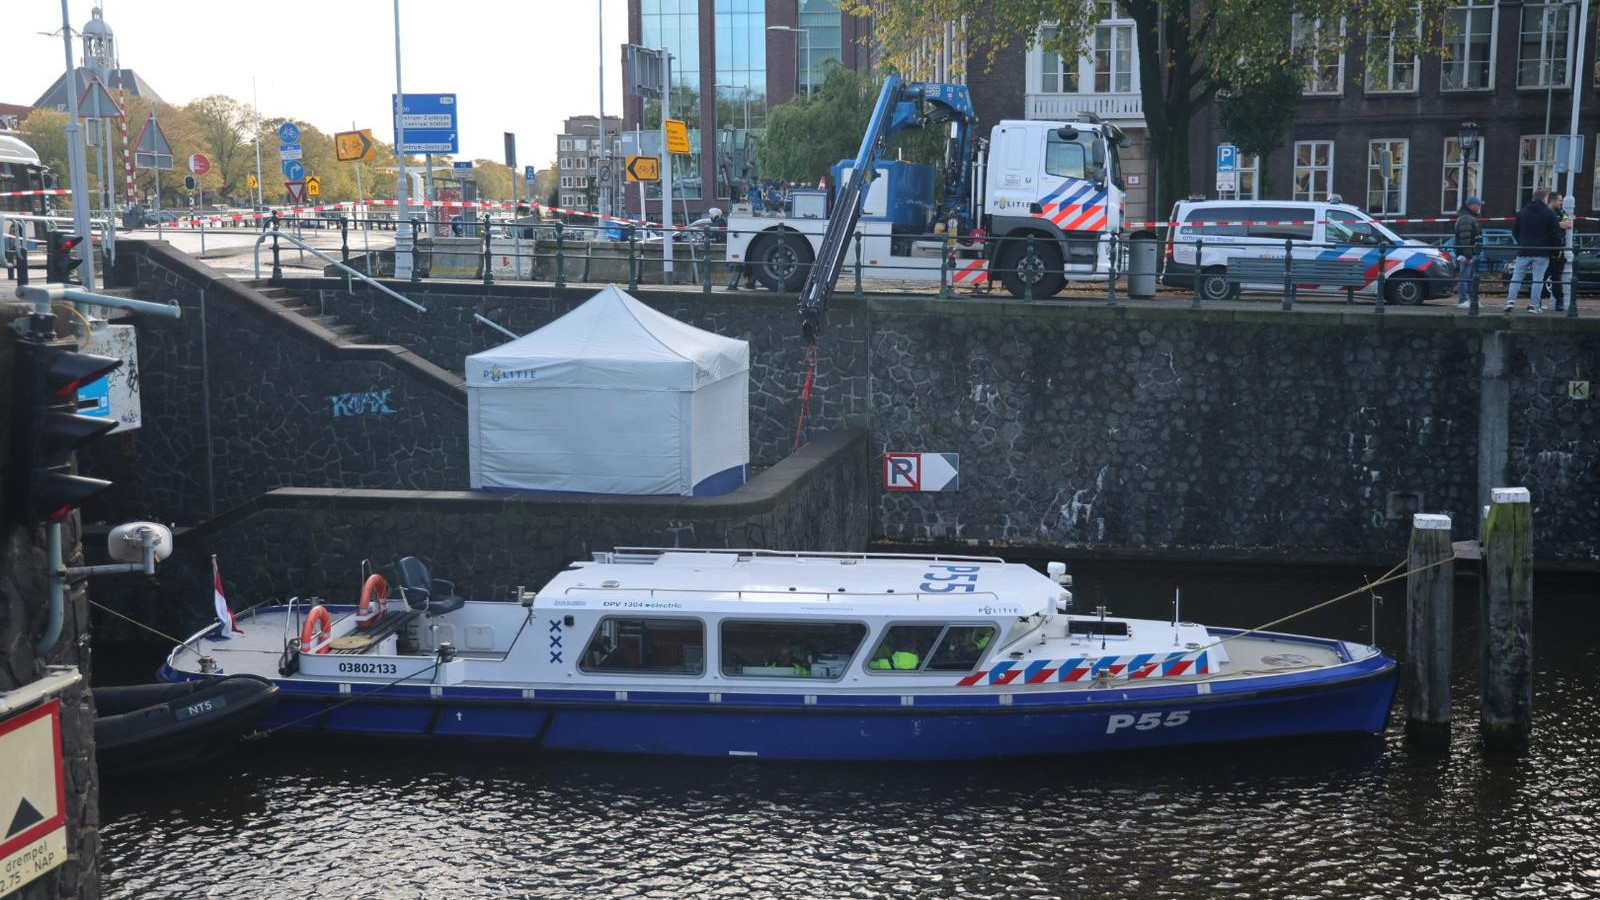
{"x":230,"y":625}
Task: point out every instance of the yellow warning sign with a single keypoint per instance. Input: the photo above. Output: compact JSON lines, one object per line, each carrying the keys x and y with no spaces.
{"x":33,"y":796}
{"x":354,"y":146}
{"x":313,"y":186}
{"x":643,"y":168}
{"x":250,"y":181}
{"x":677,"y":136}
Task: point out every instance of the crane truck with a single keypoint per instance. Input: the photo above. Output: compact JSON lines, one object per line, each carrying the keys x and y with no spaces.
{"x":1058,"y":183}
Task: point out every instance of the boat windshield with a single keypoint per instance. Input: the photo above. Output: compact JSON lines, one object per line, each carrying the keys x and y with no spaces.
{"x":931,"y":648}
{"x":646,"y":646}
{"x":789,"y":649}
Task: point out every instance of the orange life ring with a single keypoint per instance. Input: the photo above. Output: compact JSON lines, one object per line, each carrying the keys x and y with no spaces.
{"x":318,"y":614}
{"x":370,"y":609}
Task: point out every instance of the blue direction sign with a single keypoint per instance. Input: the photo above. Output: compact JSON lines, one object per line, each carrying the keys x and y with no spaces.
{"x":528,"y":174}
{"x":290,"y":151}
{"x":289,"y":133}
{"x":430,"y":121}
{"x":463,"y":169}
{"x":294,"y":170}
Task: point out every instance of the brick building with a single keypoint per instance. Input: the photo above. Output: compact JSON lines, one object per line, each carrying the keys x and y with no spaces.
{"x":579,"y":154}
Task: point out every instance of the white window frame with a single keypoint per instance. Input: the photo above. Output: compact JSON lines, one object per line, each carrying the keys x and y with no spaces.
{"x":1402,"y":165}
{"x":1390,"y":62}
{"x":565,"y":144}
{"x":1248,"y":172}
{"x":1530,"y":170}
{"x":1313,"y":170}
{"x":1469,"y":174}
{"x":1078,"y":76}
{"x":1118,"y":27}
{"x":1471,"y":9}
{"x":1556,"y":48}
{"x":1314,"y":65}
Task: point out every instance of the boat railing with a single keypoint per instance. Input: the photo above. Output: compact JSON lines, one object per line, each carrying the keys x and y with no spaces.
{"x":650,"y":554}
{"x":829,"y":596}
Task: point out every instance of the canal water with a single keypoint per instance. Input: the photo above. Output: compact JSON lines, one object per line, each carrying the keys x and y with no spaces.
{"x":1349,"y":818}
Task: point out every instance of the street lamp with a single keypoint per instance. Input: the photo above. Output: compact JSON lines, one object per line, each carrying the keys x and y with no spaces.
{"x":802,"y":44}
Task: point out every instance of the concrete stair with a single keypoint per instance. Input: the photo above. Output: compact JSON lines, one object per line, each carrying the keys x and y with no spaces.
{"x":335,"y":329}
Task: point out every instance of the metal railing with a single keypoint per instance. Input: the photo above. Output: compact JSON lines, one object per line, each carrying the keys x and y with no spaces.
{"x":276,"y":235}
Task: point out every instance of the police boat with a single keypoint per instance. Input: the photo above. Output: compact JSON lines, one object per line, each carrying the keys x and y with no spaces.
{"x":787,"y":655}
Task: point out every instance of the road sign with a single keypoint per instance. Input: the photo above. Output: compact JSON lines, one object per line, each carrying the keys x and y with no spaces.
{"x":250,"y":181}
{"x":354,"y":146}
{"x":511,"y":151}
{"x":1564,"y":154}
{"x":152,"y":150}
{"x":1227,"y":182}
{"x":604,"y":172}
{"x":463,"y":170}
{"x":291,"y":151}
{"x":96,"y":102}
{"x":1227,"y":158}
{"x":289,"y":133}
{"x":677,"y":136}
{"x":430,"y":121}
{"x":293,"y":169}
{"x":199,"y":164}
{"x":313,"y":186}
{"x":643,"y":168}
{"x":529,"y":173}
{"x":296,"y":189}
{"x":921,"y":471}
{"x":33,"y":796}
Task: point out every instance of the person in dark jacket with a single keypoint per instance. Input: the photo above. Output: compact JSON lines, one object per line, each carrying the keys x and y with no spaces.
{"x":1556,"y":275}
{"x":1537,"y":234}
{"x":1469,"y":243}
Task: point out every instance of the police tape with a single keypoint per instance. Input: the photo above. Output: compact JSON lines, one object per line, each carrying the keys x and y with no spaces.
{"x":1406,"y":221}
{"x":49,"y":192}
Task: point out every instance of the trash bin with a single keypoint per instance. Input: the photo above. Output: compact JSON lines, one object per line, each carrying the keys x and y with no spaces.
{"x":1144,"y":250}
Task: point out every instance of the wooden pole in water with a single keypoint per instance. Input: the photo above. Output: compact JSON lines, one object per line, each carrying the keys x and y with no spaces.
{"x":1430,"y":624}
{"x":1506,"y":642}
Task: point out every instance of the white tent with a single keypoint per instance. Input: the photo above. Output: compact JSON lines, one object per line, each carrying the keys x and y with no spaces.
{"x":611,"y":398}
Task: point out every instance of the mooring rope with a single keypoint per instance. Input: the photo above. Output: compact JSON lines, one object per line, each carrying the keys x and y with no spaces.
{"x":137,"y":622}
{"x":258,"y":735}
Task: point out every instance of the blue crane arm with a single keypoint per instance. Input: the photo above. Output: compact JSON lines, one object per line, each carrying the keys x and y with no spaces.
{"x":899,"y":107}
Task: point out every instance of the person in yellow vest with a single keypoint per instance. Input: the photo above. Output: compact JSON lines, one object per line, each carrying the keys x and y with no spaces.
{"x":904,"y":657}
{"x":788,"y":660}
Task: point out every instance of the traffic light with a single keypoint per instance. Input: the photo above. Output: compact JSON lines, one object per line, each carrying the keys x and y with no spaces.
{"x":46,"y":429}
{"x":59,"y":259}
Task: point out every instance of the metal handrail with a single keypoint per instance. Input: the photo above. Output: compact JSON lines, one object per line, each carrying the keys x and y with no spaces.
{"x":348,"y":271}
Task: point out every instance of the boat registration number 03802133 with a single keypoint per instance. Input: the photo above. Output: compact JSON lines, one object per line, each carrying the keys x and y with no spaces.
{"x":1146,"y":721}
{"x":950,"y":580}
{"x":368,"y":668}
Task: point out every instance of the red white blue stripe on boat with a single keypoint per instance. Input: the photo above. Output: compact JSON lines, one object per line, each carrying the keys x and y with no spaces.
{"x":1075,"y":205}
{"x":1136,"y":666}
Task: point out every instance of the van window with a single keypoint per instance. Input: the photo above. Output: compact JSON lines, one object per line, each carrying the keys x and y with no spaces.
{"x":1216,"y":214}
{"x":789,"y":649}
{"x":646,"y":645}
{"x":1349,"y":226}
{"x":1263,"y":215}
{"x":1065,"y":159}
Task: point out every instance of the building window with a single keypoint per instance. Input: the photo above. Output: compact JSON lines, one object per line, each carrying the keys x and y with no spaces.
{"x":1113,"y":51}
{"x":566,"y":144}
{"x":789,"y":649}
{"x":823,"y":39}
{"x":1463,"y":173}
{"x":1313,"y":170}
{"x":1386,"y":177}
{"x":1536,"y":166}
{"x":675,"y":25}
{"x":1388,"y":69}
{"x":1469,"y":31}
{"x":741,"y":89}
{"x":1249,"y":175}
{"x":1542,"y":52}
{"x":1058,"y":75}
{"x":646,"y":645}
{"x":1321,"y":48}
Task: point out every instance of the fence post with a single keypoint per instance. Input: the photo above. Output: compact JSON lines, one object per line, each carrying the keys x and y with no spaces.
{"x":633,"y":260}
{"x":1027,"y":286}
{"x":944,"y":268}
{"x":561,"y":256}
{"x":1477,"y":268}
{"x":1111,"y":273}
{"x":416,"y":251}
{"x":1505,"y":642}
{"x":1383,"y":279}
{"x":277,"y":270}
{"x":488,"y":253}
{"x":344,"y":240}
{"x":1199,"y":276}
{"x":1430,"y":628}
{"x":1288,"y":273}
{"x":858,"y":292}
{"x":705,"y":246}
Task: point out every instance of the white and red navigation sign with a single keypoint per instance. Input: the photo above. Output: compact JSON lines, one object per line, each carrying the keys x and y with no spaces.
{"x":199,"y":163}
{"x":297,"y":191}
{"x":921,"y":471}
{"x":152,"y":150}
{"x":33,"y":796}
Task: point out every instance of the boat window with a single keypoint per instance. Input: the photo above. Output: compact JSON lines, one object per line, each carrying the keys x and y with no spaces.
{"x":931,"y":648}
{"x":1095,"y":626}
{"x":655,"y":645}
{"x":789,"y":649}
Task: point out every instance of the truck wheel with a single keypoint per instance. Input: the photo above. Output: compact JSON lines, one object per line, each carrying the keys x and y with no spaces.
{"x":1042,"y":267}
{"x":1405,"y":290}
{"x":1215,"y":286}
{"x":781,"y":262}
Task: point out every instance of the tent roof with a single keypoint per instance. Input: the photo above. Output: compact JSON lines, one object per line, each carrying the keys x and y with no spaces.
{"x":612,"y":340}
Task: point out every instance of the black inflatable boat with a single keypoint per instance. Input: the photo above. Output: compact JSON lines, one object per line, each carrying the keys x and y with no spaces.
{"x":152,"y":727}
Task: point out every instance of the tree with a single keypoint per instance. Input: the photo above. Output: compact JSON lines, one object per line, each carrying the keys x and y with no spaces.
{"x":1188,"y":49}
{"x":809,"y":134}
{"x":222,"y":124}
{"x":1258,"y":116}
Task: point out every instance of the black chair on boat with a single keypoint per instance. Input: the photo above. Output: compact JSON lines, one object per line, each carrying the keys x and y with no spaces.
{"x":423,"y":592}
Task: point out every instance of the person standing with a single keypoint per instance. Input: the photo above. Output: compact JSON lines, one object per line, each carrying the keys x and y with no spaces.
{"x":1469,"y":243}
{"x":1556,"y":275}
{"x":1537,"y":235}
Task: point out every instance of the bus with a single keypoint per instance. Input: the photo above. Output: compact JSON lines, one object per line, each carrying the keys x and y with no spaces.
{"x":20,"y":171}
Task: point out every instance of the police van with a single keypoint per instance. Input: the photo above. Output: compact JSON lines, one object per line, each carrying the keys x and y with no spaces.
{"x":1221,"y":230}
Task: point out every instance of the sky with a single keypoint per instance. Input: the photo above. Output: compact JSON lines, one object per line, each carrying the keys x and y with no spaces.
{"x":515,"y":65}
